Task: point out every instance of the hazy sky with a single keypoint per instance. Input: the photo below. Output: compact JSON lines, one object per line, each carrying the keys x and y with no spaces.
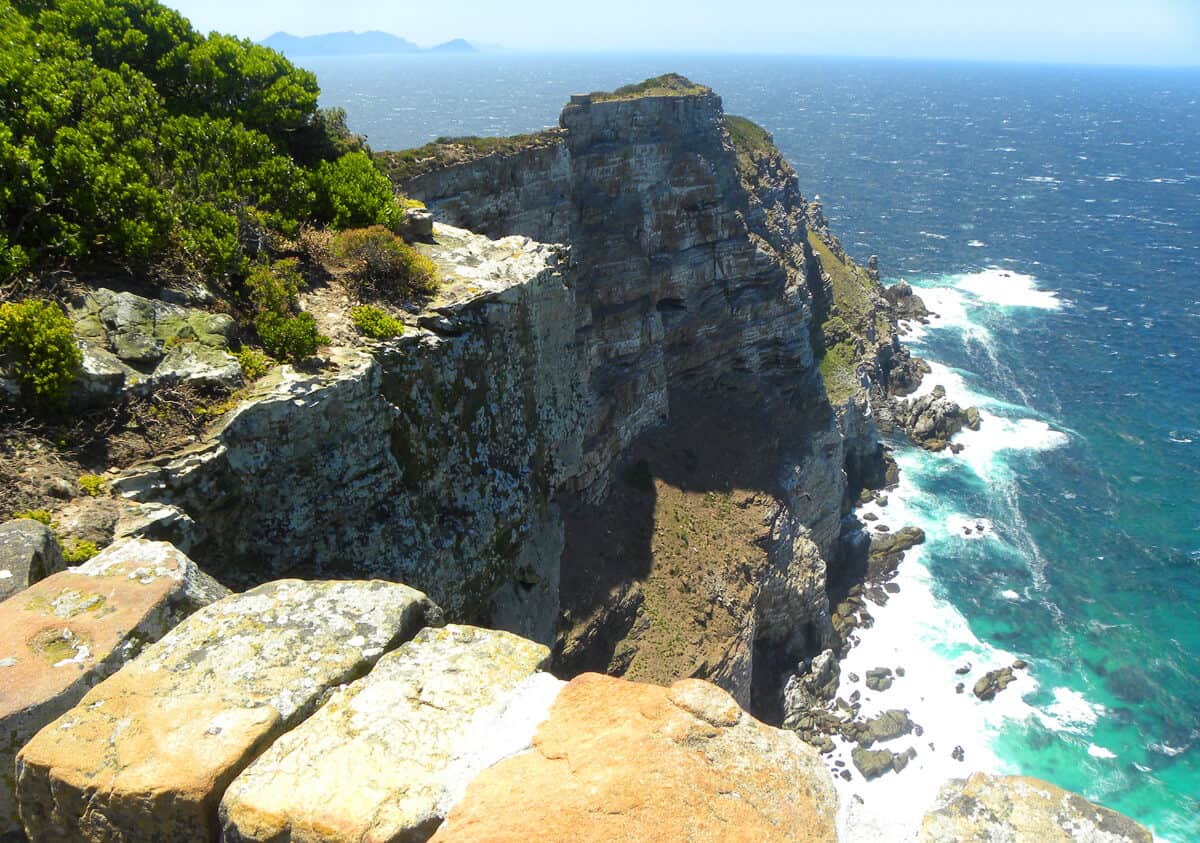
{"x":1093,"y":31}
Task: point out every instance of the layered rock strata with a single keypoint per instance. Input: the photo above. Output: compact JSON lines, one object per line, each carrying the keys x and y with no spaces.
{"x":71,"y":630}
{"x":148,"y":753}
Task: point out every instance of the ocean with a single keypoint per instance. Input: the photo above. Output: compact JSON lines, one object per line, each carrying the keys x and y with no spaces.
{"x":1050,"y":216}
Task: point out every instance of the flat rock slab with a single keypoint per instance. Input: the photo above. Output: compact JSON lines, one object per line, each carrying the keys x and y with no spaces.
{"x":69,"y":631}
{"x":988,"y":808}
{"x":29,"y":552}
{"x":395,"y":746}
{"x":147,"y":754}
{"x":621,"y":761}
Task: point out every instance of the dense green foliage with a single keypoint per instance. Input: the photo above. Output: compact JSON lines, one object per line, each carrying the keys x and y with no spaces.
{"x":254,"y":363}
{"x":37,"y":339}
{"x":92,"y":485}
{"x":78,"y":551}
{"x":352,"y":191}
{"x":128,"y":138}
{"x":375,"y":322}
{"x":377,"y":259}
{"x":273,"y":290}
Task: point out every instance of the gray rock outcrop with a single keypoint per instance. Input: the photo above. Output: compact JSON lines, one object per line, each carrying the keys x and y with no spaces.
{"x":29,"y":552}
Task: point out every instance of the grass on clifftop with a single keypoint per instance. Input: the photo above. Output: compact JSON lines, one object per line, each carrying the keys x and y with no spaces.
{"x":667,"y":85}
{"x":750,"y":142}
{"x":406,"y":164}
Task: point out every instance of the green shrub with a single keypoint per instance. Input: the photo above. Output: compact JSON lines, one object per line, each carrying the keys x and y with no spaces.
{"x":275,"y":287}
{"x":375,"y":322}
{"x":78,"y":551}
{"x":376,"y":258}
{"x":92,"y":485}
{"x":289,"y":338}
{"x":351,"y":191}
{"x":254,"y":363}
{"x":37,"y":337}
{"x":39,"y":515}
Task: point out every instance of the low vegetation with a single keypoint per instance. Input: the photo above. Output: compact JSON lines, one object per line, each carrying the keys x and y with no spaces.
{"x":667,"y":85}
{"x":286,"y":332}
{"x":376,"y":260}
{"x":751,"y":143}
{"x":37,"y":340}
{"x":375,"y":322}
{"x":447,"y":152}
{"x":92,"y":485}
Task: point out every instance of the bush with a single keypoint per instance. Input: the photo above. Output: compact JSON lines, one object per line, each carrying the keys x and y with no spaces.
{"x":39,"y":515}
{"x":92,"y":485}
{"x":254,"y":363}
{"x":375,"y":257}
{"x":289,"y":338}
{"x":375,"y":322}
{"x":275,"y":287}
{"x":78,"y":551}
{"x":351,"y":191}
{"x":39,"y":339}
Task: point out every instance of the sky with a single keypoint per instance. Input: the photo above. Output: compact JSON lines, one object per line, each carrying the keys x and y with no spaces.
{"x":1074,"y":31}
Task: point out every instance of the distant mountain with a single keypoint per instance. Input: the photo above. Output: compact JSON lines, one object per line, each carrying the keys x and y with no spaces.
{"x":458,"y":45}
{"x":340,"y":44}
{"x":355,"y":44}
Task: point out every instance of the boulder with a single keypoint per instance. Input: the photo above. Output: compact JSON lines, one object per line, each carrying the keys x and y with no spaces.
{"x":872,"y":763}
{"x":29,"y":552}
{"x":986,"y":807}
{"x":879,"y":678}
{"x":932,"y":419}
{"x":993,"y":682}
{"x":398,"y":744}
{"x":618,"y":760}
{"x":887,"y":726}
{"x":811,"y":688}
{"x":71,"y":630}
{"x":147,"y":754}
{"x":200,"y":365}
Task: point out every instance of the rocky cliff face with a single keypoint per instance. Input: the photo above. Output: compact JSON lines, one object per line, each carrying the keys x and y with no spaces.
{"x":626,"y":449}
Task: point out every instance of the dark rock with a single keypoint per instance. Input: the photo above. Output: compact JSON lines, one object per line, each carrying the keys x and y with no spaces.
{"x":964,"y":670}
{"x":872,"y":763}
{"x":879,"y":678}
{"x":29,"y":552}
{"x":1020,"y":664}
{"x":993,"y":682}
{"x":959,"y":688}
{"x":887,"y":726}
{"x":899,"y":671}
{"x":957,"y":753}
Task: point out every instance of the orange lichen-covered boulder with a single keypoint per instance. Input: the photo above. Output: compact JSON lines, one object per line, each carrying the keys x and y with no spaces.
{"x":621,"y":761}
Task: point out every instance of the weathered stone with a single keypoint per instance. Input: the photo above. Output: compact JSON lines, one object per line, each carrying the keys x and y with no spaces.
{"x":417,"y":225}
{"x":879,"y":678}
{"x":200,"y":365}
{"x":71,"y":630}
{"x":993,"y":682}
{"x":887,"y":726}
{"x":872,"y":763}
{"x":810,"y":689}
{"x":29,"y":552}
{"x":397,"y":745}
{"x":140,"y":330}
{"x":147,"y":754}
{"x":988,"y":808}
{"x":624,"y":761}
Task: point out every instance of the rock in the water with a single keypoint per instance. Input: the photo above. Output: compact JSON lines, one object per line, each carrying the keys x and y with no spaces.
{"x":150,"y":750}
{"x":993,"y":682}
{"x":810,"y":689}
{"x":932,"y":419}
{"x":986,"y":808}
{"x":398,"y":745}
{"x":71,"y":630}
{"x":29,"y":552}
{"x":879,"y":678}
{"x":872,"y":763}
{"x":887,"y":726}
{"x":625,"y":761}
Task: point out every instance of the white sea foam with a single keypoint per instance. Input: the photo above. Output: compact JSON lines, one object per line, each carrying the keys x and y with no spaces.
{"x":1097,"y":751}
{"x":995,"y":285}
{"x":1009,"y":594}
{"x":923,"y":633}
{"x":997,"y":434}
{"x":1070,"y":712}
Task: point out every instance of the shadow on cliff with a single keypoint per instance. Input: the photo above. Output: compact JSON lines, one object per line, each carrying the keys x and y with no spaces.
{"x":711,"y":446}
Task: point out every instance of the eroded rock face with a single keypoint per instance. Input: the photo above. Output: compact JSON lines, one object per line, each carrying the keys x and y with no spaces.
{"x":134,"y":343}
{"x":147,"y":754}
{"x":398,"y":745}
{"x":986,"y":808}
{"x":71,"y":630}
{"x":623,"y":761}
{"x":29,"y":552}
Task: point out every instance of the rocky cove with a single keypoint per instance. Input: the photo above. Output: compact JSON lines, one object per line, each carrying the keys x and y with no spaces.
{"x":625,"y":438}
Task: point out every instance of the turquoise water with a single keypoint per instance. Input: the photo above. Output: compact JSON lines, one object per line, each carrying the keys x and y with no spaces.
{"x":1084,"y":186}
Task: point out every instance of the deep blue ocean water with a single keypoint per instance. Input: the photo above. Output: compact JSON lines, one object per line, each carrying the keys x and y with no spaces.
{"x":1052,"y":216}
